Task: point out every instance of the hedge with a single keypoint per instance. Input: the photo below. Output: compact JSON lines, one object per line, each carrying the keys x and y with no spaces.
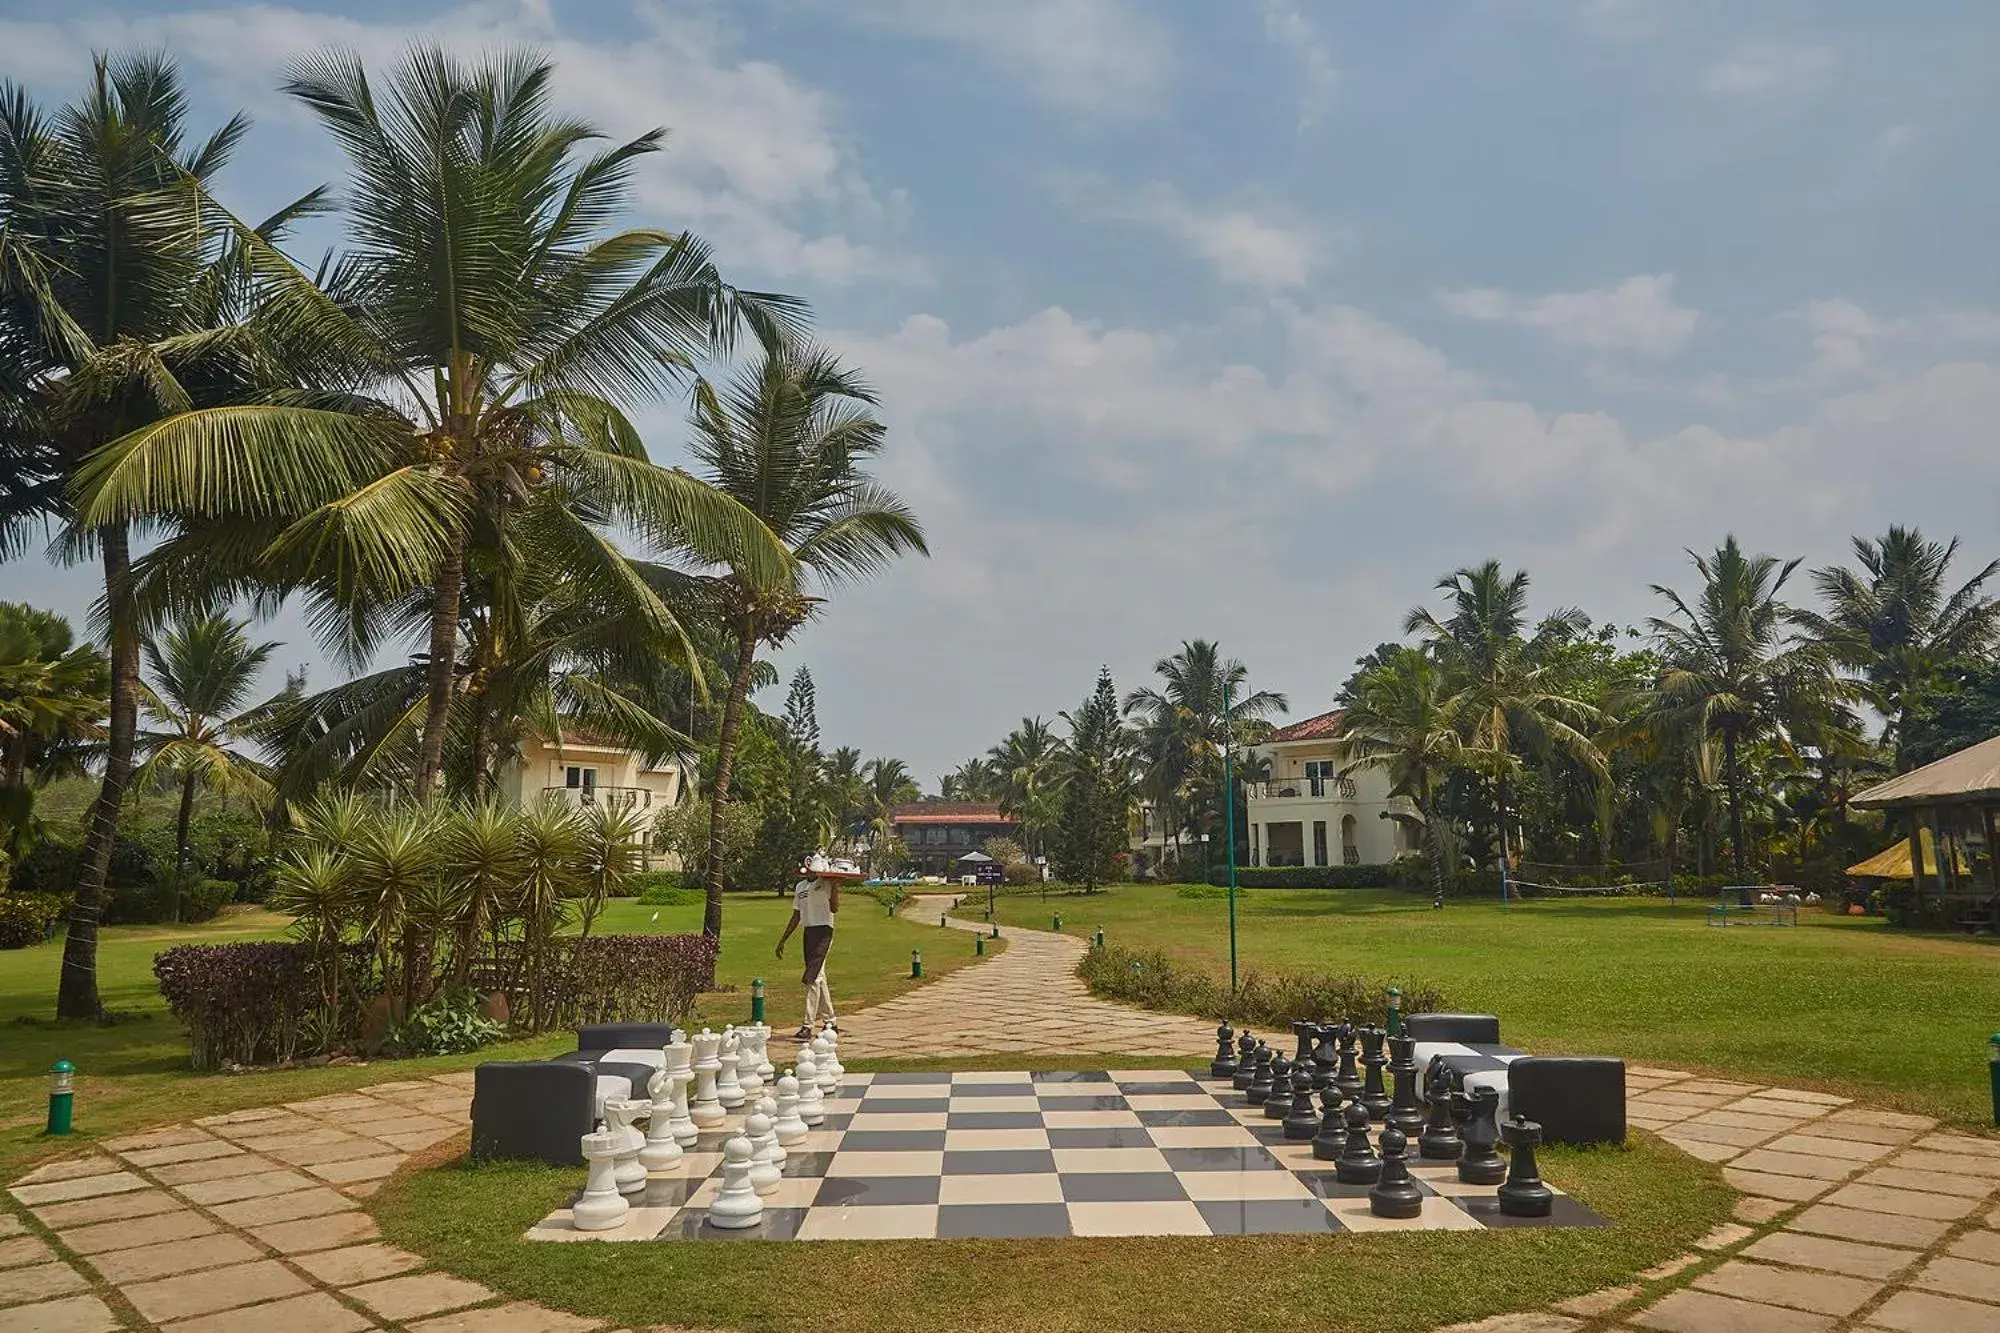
{"x":1151,"y":980}
{"x":246,"y":1003}
{"x":27,"y":918}
{"x":1305,"y":877}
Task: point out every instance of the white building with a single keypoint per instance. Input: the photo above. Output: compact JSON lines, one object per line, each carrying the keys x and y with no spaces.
{"x":586,"y":769}
{"x":1307,"y":815}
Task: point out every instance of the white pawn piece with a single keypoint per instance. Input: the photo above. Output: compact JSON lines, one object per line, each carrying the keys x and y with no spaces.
{"x":706,"y":1111}
{"x":833,"y":1055}
{"x":747,"y":1082}
{"x":765,"y":1070}
{"x":602,"y":1206}
{"x":771,"y":1150}
{"x":764,"y":1175}
{"x":728,"y":1089}
{"x":822,"y":1054}
{"x":620,"y":1117}
{"x":812,"y":1106}
{"x":662,"y":1151}
{"x":790,"y":1128}
{"x":736,"y":1205}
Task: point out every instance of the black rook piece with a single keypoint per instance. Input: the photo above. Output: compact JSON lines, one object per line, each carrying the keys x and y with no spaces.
{"x":1325,"y":1062}
{"x":1224,"y":1063}
{"x":1404,"y":1113}
{"x":1302,"y":1121}
{"x":1246,"y":1063}
{"x":1440,"y":1141}
{"x":1524,"y":1194}
{"x":1348,"y":1080}
{"x":1373,"y":1095}
{"x":1332,"y":1127}
{"x":1260,"y":1081}
{"x":1304,"y":1032}
{"x":1357,"y":1163}
{"x":1278,"y":1102}
{"x":1482,"y":1163}
{"x":1395,"y":1194}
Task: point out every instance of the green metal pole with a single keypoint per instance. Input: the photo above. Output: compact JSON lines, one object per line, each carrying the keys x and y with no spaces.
{"x":1229,"y":822}
{"x":757,"y":999}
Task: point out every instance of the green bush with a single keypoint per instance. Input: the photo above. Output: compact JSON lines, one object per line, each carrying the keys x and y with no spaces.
{"x":449,"y":1023}
{"x":664,"y":888}
{"x":1305,"y":877}
{"x":1022,"y":872}
{"x":667,"y":895}
{"x":150,"y":903}
{"x":1201,"y":891}
{"x":1151,"y":980}
{"x":27,"y":918}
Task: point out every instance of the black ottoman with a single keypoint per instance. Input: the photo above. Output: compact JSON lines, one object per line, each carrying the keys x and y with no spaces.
{"x":1467,"y":1028}
{"x":1576,"y":1098}
{"x":624,"y":1036}
{"x":532,"y":1108}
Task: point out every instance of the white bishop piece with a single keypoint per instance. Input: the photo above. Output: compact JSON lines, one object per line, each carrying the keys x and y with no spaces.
{"x":812,"y":1106}
{"x":736,"y":1206}
{"x":790,"y":1129}
{"x":602,"y":1206}
{"x":706,"y":1109}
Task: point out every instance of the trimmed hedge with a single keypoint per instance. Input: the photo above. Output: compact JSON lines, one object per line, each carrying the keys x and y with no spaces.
{"x":249,"y":1003}
{"x":1151,"y":980}
{"x":27,"y":918}
{"x":628,"y":979}
{"x":1305,"y":877}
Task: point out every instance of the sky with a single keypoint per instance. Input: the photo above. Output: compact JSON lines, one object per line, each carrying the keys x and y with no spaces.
{"x":1250,"y":321}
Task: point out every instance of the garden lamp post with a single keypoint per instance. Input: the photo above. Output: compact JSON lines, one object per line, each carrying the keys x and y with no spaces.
{"x":1992,"y":1073}
{"x":1204,"y":856}
{"x":1395,"y":1011}
{"x":1229,"y":806}
{"x":756,"y":999}
{"x":62,"y":1097}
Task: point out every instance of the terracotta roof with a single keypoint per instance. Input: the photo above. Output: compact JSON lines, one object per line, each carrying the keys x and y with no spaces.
{"x":1322,"y":727}
{"x":949,"y":812}
{"x":1971,"y":776}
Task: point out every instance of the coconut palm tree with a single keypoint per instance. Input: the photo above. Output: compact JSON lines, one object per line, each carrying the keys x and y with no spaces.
{"x":202,"y":672}
{"x":1028,"y":773}
{"x":52,"y":695}
{"x":1201,"y":705}
{"x":1400,"y":719}
{"x":1897,"y":623}
{"x":787,"y":438}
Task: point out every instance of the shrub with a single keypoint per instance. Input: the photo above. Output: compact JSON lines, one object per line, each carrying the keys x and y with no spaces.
{"x":638,"y":884}
{"x":1201,"y":891}
{"x":151,"y":903}
{"x":625,"y":979}
{"x":1022,"y":872}
{"x":448,"y":1023}
{"x":27,"y":918}
{"x":243,"y":1003}
{"x":670,"y":896}
{"x":1305,"y":877}
{"x":1151,"y":980}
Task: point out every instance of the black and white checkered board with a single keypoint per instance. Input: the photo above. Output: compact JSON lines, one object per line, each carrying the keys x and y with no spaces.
{"x":1117,"y":1153}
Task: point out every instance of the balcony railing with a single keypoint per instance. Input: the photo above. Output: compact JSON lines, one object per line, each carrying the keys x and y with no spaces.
{"x":1350,"y":856}
{"x":612,"y":798}
{"x":1314,"y":788}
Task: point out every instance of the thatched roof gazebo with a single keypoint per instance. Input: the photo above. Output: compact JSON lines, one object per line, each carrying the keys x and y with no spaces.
{"x":1951,"y":804}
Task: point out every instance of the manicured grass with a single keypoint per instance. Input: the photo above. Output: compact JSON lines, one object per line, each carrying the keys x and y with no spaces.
{"x":469,"y":1219}
{"x":1843,"y":1004}
{"x":133,"y":1071}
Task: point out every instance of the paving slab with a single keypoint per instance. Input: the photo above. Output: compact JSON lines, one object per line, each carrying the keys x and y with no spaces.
{"x":175,"y":1256}
{"x":519,"y":1317}
{"x":70,"y":1168}
{"x":1935,"y":1182}
{"x":219,"y":1289}
{"x":1830,"y":1255}
{"x":1821,"y":1293}
{"x":1981,"y":1245}
{"x":71,"y":1314}
{"x":172,"y":1153}
{"x":357,"y":1263}
{"x":38,"y":1282}
{"x":314,"y":1202}
{"x":1691,"y":1311}
{"x":1955,"y":1276}
{"x":1909,"y":1203}
{"x":132,"y":1233}
{"x":315,"y":1312}
{"x":106,"y":1208}
{"x":1796,"y":1189}
{"x":317,"y":1233}
{"x":405,"y":1298}
{"x":83,"y":1187}
{"x":1925,"y":1312}
{"x":20,"y":1251}
{"x":1870,"y":1227}
{"x":257,"y":1186}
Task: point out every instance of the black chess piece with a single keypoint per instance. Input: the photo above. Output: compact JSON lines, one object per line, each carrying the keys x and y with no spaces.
{"x":1357,"y":1163}
{"x":1440,"y":1141}
{"x":1395,"y":1194}
{"x":1524,"y":1194}
{"x":1373,"y":1095}
{"x":1302,"y":1031}
{"x":1302,"y":1121}
{"x":1325,"y":1062}
{"x":1332,"y":1127}
{"x":1246,"y":1063}
{"x":1404,"y":1113}
{"x":1245,"y":1044}
{"x":1348,"y":1080}
{"x":1224,"y":1063}
{"x":1482,"y":1163}
{"x":1278,"y":1102}
{"x":1260,"y":1080}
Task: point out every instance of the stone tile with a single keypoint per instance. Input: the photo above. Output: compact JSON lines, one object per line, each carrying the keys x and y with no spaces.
{"x":358,"y":1263}
{"x":175,"y":1256}
{"x":72,"y":1314}
{"x":1723,"y":1236}
{"x":1594,"y":1303}
{"x":1909,"y":1203}
{"x":181,"y":1224}
{"x":69,"y":1168}
{"x":317,"y":1233}
{"x":1871,"y":1227}
{"x":172,"y":1153}
{"x":165,"y":1137}
{"x":1815,"y":1145}
{"x":1762,"y":1105}
{"x":1750,"y":1208}
{"x":1937,"y":1182}
{"x":1958,"y":1163}
{"x":1720,"y":1085}
{"x":1862,"y":1115}
{"x":256,"y":1186}
{"x":420,"y":1140}
{"x":1961,"y":1143}
{"x":361,"y":1189}
{"x":1981,"y":1245}
{"x":1705,"y":1312}
{"x":1821,"y":1293}
{"x":244,"y":1117}
{"x":140,"y":1203}
{"x":1959,"y":1277}
{"x":1736,"y":1136}
{"x":83,"y":1187}
{"x":1749,"y":1120}
{"x":284,"y":1207}
{"x":315,"y":1312}
{"x":1833,"y":1256}
{"x":1660,"y":1272}
{"x":220,"y":1289}
{"x":1922,"y":1312}
{"x":336,"y":1148}
{"x":1824,"y":1099}
{"x":213,"y":1168}
{"x":1797,"y":1164}
{"x":356,"y":1169}
{"x":1703,"y":1101}
{"x":519,"y":1317}
{"x":19,"y":1251}
{"x":1519,"y":1323}
{"x":406,"y":1298}
{"x":11,"y":1225}
{"x":36,"y":1282}
{"x":1796,"y":1189}
{"x":1860,"y":1132}
{"x":335,"y":1102}
{"x":1703,"y":1150}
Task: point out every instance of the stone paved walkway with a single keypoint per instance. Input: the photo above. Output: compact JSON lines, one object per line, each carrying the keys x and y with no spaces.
{"x":1850,"y":1219}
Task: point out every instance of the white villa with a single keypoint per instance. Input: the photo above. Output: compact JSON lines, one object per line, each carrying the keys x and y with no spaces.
{"x":586,"y":769}
{"x":1306,"y":815}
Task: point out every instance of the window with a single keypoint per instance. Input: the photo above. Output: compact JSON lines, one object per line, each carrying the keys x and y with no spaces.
{"x":1319,"y":842}
{"x":590,"y":779}
{"x":1318,"y":773}
{"x":572,"y":777}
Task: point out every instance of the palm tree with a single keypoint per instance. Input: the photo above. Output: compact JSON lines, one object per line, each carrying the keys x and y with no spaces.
{"x":1894,"y":622}
{"x":1027,"y":772}
{"x":202,"y":672}
{"x":1505,"y":699}
{"x":973,"y":780}
{"x":1200,"y":706}
{"x":52,"y":695}
{"x":1400,"y":719}
{"x":1732,"y":671}
{"x":845,"y":788}
{"x":786,"y":439}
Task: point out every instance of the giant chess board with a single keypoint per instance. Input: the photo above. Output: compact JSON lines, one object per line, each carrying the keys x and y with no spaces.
{"x":1102,"y":1153}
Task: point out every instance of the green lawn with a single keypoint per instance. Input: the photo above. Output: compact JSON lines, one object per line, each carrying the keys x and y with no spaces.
{"x":133,"y":1072}
{"x":1840,"y":1003}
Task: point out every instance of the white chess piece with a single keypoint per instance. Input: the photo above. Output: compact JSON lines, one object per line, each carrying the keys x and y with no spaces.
{"x":747,"y":1082}
{"x":832,"y":1061}
{"x":765,"y":1070}
{"x":824,"y":1080}
{"x":790,"y":1129}
{"x":602,"y":1206}
{"x":620,"y":1117}
{"x":727,"y":1090}
{"x":736,"y":1205}
{"x":771,"y":1149}
{"x":680,"y":1075}
{"x":812,"y":1106}
{"x":706,"y":1110}
{"x":764,"y":1176}
{"x":662,"y":1151}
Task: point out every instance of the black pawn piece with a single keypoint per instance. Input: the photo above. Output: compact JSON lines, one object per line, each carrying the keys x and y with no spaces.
{"x":1245,"y":1044}
{"x":1404,"y":1113}
{"x":1524,"y":1194}
{"x":1395,"y":1194}
{"x":1278,"y":1102}
{"x":1302,"y":1031}
{"x":1482,"y":1163}
{"x":1440,"y":1141}
{"x":1260,"y":1078}
{"x":1246,"y":1063}
{"x":1325,"y":1062}
{"x":1224,"y":1063}
{"x":1348,"y":1080}
{"x":1332,"y":1127}
{"x":1357,"y":1163}
{"x":1373,"y":1095}
{"x":1302,"y":1121}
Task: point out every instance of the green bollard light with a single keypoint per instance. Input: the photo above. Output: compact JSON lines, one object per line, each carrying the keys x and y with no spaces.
{"x":1097,"y":941}
{"x":978,"y":946}
{"x":941,"y":917}
{"x":1395,"y":1011}
{"x":1055,"y":922}
{"x":1993,"y":1072}
{"x":62,"y":1097}
{"x":996,"y":930}
{"x":756,"y":999}
{"x":916,"y":963}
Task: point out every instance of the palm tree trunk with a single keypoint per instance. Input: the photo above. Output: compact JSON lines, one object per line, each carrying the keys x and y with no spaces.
{"x":76,"y":993}
{"x":181,"y":839}
{"x":1733,"y":778}
{"x":443,"y":664}
{"x":725,"y":763}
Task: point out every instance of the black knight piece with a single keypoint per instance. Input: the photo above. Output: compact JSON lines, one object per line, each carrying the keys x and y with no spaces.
{"x":1325,"y":1061}
{"x":1404,"y":1113}
{"x":1357,"y":1163}
{"x":1482,"y":1163}
{"x":1260,"y":1075}
{"x":1440,"y":1141}
{"x":1524,"y":1194}
{"x":1373,"y":1095}
{"x":1224,"y":1063}
{"x":1395,"y":1194}
{"x":1278,"y":1102}
{"x":1302,"y":1121}
{"x":1332,"y":1127}
{"x":1348,"y":1080}
{"x":1246,"y":1063}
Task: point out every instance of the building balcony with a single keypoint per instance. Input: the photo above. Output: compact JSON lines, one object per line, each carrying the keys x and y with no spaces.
{"x":1301,"y":789}
{"x":611,"y":798}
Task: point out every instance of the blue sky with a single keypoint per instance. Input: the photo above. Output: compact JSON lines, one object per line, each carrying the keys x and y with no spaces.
{"x":1249,"y":321}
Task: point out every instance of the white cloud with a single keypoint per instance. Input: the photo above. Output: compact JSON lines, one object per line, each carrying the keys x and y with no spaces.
{"x":1849,"y":340}
{"x":1286,"y":24}
{"x":1763,"y":69}
{"x":1253,"y":247}
{"x":1638,"y":315}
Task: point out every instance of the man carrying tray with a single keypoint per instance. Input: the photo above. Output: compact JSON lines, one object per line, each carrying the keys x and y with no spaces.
{"x":815,"y":899}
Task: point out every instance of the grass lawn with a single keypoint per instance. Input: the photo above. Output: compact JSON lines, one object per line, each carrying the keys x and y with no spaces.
{"x":1843,"y":1004}
{"x":469,"y":1219}
{"x":133,"y":1071}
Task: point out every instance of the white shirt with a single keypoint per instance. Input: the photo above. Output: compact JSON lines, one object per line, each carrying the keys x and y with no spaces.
{"x":812,"y":899}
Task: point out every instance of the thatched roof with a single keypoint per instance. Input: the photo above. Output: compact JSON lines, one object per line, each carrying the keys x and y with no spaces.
{"x":1969,"y":777}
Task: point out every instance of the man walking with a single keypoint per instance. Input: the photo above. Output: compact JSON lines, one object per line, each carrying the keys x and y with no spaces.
{"x":814,"y":901}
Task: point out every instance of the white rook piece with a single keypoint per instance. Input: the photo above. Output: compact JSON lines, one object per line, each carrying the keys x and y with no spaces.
{"x":662,"y":1150}
{"x":736,"y":1206}
{"x":706,"y":1110}
{"x":790,"y":1128}
{"x":602,"y":1206}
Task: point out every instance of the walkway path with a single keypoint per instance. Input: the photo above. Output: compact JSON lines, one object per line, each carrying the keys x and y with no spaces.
{"x":1851,"y":1219}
